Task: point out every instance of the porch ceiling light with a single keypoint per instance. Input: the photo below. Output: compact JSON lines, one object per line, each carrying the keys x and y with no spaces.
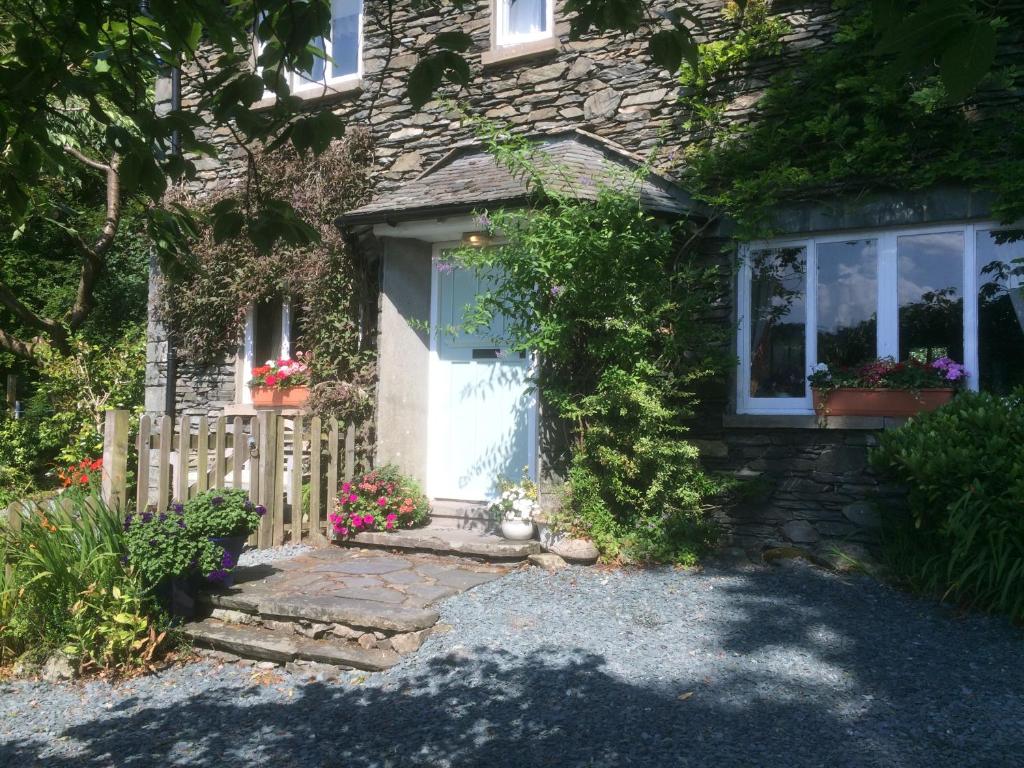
{"x":476,"y":239}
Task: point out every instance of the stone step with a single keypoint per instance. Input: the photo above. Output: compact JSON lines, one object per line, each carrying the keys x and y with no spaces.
{"x":260,"y":643}
{"x":467,"y":514}
{"x":322,"y":609}
{"x":444,"y":540}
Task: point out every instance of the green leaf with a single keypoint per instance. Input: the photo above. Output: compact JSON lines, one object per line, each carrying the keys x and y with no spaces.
{"x":968,"y":59}
{"x":669,"y":47}
{"x":454,"y":41}
{"x":423,"y":81}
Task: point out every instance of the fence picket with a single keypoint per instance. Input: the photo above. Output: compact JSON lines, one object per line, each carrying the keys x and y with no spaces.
{"x":278,"y":469}
{"x":184,"y":448}
{"x":295,"y":493}
{"x":315,"y":440}
{"x":332,"y":461}
{"x":350,"y":451}
{"x":163,"y":483}
{"x":253,"y":458}
{"x":202,"y":455}
{"x":239,"y":452}
{"x":219,"y":479}
{"x":142,"y":470}
{"x":264,"y":479}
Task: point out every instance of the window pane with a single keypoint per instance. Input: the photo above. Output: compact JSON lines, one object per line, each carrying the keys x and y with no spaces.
{"x":526,"y":17}
{"x":847,"y":302}
{"x":266,"y":341}
{"x":1000,"y":312}
{"x":931,"y":296}
{"x":777,"y":322}
{"x":345,"y":37}
{"x":316,"y":73}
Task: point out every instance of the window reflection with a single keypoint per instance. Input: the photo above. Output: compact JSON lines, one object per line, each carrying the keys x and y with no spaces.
{"x":1000,"y":261}
{"x":847,"y":302}
{"x":778,"y":320}
{"x":931,"y":303}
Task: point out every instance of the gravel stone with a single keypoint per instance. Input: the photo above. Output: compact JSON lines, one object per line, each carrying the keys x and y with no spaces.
{"x":654,"y":668}
{"x":270,"y":554}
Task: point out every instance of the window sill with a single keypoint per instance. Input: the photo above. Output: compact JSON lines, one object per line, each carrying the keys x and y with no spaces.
{"x":507,"y":54}
{"x":780,"y":421}
{"x":338,"y":89}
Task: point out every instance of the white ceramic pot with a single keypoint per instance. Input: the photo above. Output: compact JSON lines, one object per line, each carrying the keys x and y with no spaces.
{"x":517,"y":530}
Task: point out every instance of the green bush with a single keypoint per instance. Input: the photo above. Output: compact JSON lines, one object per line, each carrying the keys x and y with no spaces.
{"x":963,"y":467}
{"x":221,"y":512}
{"x":71,"y":589}
{"x":617,"y":308}
{"x":161,"y":547}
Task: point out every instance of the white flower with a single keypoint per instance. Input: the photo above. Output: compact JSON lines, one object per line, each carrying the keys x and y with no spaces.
{"x":523,"y":507}
{"x":271,"y":363}
{"x":821,"y":368}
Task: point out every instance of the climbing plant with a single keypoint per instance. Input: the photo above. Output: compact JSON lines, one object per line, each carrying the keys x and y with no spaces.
{"x":615,"y":304}
{"x":839,"y":120}
{"x":204,"y":304}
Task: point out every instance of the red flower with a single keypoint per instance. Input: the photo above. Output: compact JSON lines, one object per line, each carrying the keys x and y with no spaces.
{"x":271,"y":380}
{"x":84,"y":479}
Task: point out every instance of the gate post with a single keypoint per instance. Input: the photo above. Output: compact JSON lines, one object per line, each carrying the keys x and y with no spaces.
{"x":113,"y":486}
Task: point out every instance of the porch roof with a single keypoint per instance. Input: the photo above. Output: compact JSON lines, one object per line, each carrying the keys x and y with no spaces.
{"x":470,"y":178}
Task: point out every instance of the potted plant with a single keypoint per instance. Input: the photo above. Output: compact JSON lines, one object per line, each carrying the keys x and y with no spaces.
{"x":226,"y":517}
{"x":516,"y":508}
{"x":281,"y":383}
{"x":885,"y":387}
{"x":381,"y":500}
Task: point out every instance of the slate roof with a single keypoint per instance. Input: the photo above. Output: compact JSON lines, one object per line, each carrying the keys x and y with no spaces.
{"x":469,"y":178}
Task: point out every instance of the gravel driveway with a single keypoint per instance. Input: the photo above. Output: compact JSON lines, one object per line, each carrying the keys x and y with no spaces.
{"x":772,"y":667}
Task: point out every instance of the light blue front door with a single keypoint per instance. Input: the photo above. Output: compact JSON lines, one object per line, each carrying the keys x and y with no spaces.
{"x":481,"y":404}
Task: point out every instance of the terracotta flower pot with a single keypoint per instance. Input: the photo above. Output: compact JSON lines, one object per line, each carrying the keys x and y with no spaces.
{"x":851,"y":401}
{"x":272,"y":397}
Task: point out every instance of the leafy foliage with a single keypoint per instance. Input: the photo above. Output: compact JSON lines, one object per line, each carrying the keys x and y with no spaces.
{"x":615,"y":305}
{"x":160,"y":546}
{"x":205,"y":302}
{"x":71,"y":590}
{"x":221,"y":512}
{"x":964,"y":473}
{"x":383,"y":499}
{"x":847,"y":118}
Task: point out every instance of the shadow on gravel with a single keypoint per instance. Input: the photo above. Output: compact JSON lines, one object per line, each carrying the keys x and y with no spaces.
{"x":854,"y":691}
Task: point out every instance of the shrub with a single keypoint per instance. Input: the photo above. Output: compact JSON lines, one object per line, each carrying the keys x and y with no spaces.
{"x":72,"y":589}
{"x":619,"y":312}
{"x":381,"y":500}
{"x":160,"y":546}
{"x":963,"y":467}
{"x":222,"y":512}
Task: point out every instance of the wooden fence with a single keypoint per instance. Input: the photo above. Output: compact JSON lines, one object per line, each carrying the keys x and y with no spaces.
{"x":291,"y":465}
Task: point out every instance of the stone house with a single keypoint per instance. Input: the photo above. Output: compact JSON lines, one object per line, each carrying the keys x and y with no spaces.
{"x":457,"y":413}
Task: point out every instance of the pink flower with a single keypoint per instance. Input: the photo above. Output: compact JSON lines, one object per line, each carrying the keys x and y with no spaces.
{"x":353,"y":499}
{"x":346,"y":487}
{"x":382,"y":501}
{"x":343,"y":531}
{"x":389,"y":525}
{"x":356,"y":521}
{"x":368,"y":519}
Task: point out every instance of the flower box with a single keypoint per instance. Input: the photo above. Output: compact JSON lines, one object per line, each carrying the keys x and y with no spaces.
{"x":277,"y":397}
{"x":856,"y":401}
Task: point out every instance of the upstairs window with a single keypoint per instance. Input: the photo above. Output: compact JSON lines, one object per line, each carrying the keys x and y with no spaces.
{"x":523,"y":21}
{"x":343,"y":46}
{"x":844,"y":300}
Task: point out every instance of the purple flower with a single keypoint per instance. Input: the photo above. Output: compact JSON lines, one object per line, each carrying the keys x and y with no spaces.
{"x":226,"y":560}
{"x":147,"y":516}
{"x":219,"y":575}
{"x":261,"y":510}
{"x":217,"y":501}
{"x":179,"y":509}
{"x":128,"y":521}
{"x":444,"y":267}
{"x":557,"y":290}
{"x":181,"y":523}
{"x":483,"y":221}
{"x":162,"y":517}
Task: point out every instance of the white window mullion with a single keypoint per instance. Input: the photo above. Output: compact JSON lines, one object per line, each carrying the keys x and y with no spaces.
{"x":248,"y":347}
{"x":743,"y":337}
{"x":286,"y":328}
{"x":810,"y":314}
{"x":971,"y":306}
{"x":888,"y":297}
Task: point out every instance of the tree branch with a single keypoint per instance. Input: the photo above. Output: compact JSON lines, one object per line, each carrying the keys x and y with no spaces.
{"x":25,"y":349}
{"x":54,"y":330}
{"x":93,"y":256}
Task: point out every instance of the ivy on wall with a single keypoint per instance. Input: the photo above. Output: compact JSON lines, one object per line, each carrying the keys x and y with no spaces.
{"x":204,"y":305}
{"x":839,"y":121}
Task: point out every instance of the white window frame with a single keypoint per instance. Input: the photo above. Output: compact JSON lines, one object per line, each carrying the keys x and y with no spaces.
{"x":502,"y":37}
{"x":887,"y":310}
{"x":249,"y":345}
{"x":300,"y":85}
